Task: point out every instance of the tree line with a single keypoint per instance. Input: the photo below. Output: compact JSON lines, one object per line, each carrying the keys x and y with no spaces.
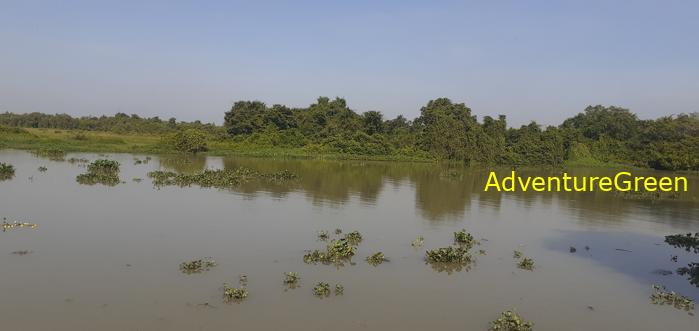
{"x":444,"y":130}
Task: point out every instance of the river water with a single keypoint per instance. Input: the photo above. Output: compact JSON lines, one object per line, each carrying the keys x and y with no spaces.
{"x":107,"y":258}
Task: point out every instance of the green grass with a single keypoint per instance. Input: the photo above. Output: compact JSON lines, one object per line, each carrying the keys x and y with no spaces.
{"x":107,"y":142}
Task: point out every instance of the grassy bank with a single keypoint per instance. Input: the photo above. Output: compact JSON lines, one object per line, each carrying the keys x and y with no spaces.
{"x":108,"y":142}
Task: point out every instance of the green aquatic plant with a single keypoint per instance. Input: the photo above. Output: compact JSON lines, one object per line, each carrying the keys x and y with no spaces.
{"x":291,"y":279}
{"x":7,"y":171}
{"x":42,"y":169}
{"x":338,"y":231}
{"x":53,"y":154}
{"x":517,"y":254}
{"x":510,"y":321}
{"x":481,"y":251}
{"x":321,"y":289}
{"x":526,"y":264}
{"x":243,"y":279}
{"x":449,"y":254}
{"x":464,"y":238}
{"x":418,"y":242}
{"x":354,"y":237}
{"x":661,"y":296}
{"x":137,"y":180}
{"x":687,"y":241}
{"x":22,"y":252}
{"x":220,"y":178}
{"x":234,"y":294}
{"x":78,"y":160}
{"x":197,"y":266}
{"x":16,"y":225}
{"x":376,"y":258}
{"x":104,"y":172}
{"x":336,"y":252}
{"x":339,"y":289}
{"x":323,"y":235}
{"x":103,"y":166}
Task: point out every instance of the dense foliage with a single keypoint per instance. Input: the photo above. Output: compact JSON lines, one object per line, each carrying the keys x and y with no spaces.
{"x":444,"y":130}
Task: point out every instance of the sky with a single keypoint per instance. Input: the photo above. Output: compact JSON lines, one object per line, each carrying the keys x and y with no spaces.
{"x":529,"y":60}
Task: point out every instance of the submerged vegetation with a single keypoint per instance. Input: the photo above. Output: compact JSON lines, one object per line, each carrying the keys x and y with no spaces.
{"x":510,"y":321}
{"x":661,"y":296}
{"x":222,"y":178}
{"x":197,"y":266}
{"x":104,"y":172}
{"x":7,"y":171}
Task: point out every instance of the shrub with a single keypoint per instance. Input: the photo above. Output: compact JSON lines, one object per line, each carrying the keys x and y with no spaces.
{"x":189,"y":141}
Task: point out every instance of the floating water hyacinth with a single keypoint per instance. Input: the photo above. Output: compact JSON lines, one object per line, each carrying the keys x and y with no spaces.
{"x":661,"y":296}
{"x":104,"y":172}
{"x":321,"y":289}
{"x":339,"y":289}
{"x":526,"y":264}
{"x":16,"y":225}
{"x":418,"y":242}
{"x":197,"y":266}
{"x":323,"y":235}
{"x":464,"y":238}
{"x":220,"y":178}
{"x":337,"y":252}
{"x":448,"y":255}
{"x":376,"y":258}
{"x":291,"y":279}
{"x":510,"y":321}
{"x":234,"y":294}
{"x":7,"y":171}
{"x":354,"y":238}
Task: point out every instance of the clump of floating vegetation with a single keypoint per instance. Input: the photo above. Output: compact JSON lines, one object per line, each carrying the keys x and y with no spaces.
{"x":104,"y":172}
{"x":73,"y":160}
{"x":526,"y":264}
{"x":647,"y":195}
{"x":517,"y":254}
{"x":22,"y":252}
{"x":661,"y":296}
{"x":321,"y":289}
{"x":448,"y":255}
{"x":464,"y":238}
{"x":15,"y":225}
{"x":354,"y":238}
{"x":418,"y":242}
{"x":481,"y":251}
{"x":7,"y":171}
{"x":338,"y":231}
{"x":376,"y":258}
{"x":243,"y":279}
{"x":42,"y":169}
{"x":339,"y":289}
{"x":337,"y":252}
{"x":692,"y":273}
{"x":687,"y":241}
{"x":323,"y":235}
{"x":291,"y":279}
{"x":197,"y":266}
{"x":234,"y":294}
{"x":220,"y":178}
{"x":510,"y":321}
{"x":136,"y":180}
{"x":53,"y":154}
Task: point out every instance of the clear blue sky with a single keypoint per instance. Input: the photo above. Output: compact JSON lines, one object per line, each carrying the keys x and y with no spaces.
{"x":529,"y":60}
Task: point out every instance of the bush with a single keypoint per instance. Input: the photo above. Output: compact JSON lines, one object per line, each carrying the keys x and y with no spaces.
{"x":189,"y":141}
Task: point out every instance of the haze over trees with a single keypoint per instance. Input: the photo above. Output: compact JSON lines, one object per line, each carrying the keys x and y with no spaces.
{"x":443,"y":130}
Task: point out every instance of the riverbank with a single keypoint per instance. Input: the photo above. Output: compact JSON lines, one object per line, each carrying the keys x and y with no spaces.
{"x":109,"y":142}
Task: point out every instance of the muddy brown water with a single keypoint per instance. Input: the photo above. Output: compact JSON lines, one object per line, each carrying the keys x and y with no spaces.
{"x":106,"y":258}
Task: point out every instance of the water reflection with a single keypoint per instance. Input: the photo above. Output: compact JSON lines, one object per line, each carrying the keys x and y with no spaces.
{"x":442,"y":192}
